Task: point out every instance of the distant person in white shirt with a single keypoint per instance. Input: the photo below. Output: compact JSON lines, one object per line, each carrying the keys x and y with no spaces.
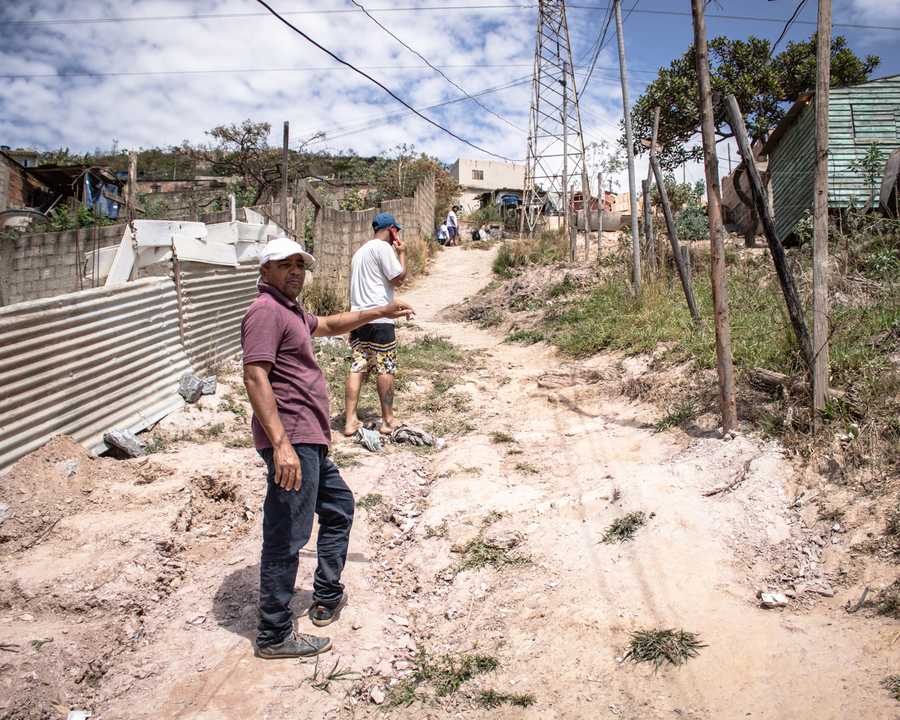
{"x":452,"y":226}
{"x":376,"y":270}
{"x":442,"y":235}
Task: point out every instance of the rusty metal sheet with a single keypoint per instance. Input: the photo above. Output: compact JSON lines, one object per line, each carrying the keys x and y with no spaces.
{"x":82,"y":363}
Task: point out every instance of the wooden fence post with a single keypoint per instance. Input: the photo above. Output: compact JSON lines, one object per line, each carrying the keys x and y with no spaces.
{"x":673,"y":240}
{"x":785,"y":277}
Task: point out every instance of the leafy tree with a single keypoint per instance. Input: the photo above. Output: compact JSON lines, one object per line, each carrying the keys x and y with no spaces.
{"x":242,"y":151}
{"x":600,"y":158}
{"x":761,"y":84}
{"x":871,"y":165}
{"x":396,"y":174}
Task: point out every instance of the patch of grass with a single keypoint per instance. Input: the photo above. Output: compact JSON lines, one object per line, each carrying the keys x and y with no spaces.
{"x":478,"y":555}
{"x":38,"y":644}
{"x":889,"y":600}
{"x":514,"y":451}
{"x":492,"y":517}
{"x":563,"y":288}
{"x":490,"y":287}
{"x":493,"y":699}
{"x":323,"y":681}
{"x":344,"y":459}
{"x":228,"y":403}
{"x":892,"y":684}
{"x":491,"y":320}
{"x":445,"y":674}
{"x":498,"y":436}
{"x":214,"y":431}
{"x":663,"y":646}
{"x":404,"y":693}
{"x":527,"y":468}
{"x":616,"y":495}
{"x":322,"y":297}
{"x":549,"y":247}
{"x":157,"y":443}
{"x":624,"y":528}
{"x":369,"y":501}
{"x":244,"y":441}
{"x":684,"y":410}
{"x":526,"y":337}
{"x":441,"y":531}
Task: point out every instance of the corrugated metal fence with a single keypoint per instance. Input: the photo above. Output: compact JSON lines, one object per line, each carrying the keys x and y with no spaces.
{"x":82,"y":363}
{"x":213,"y":302}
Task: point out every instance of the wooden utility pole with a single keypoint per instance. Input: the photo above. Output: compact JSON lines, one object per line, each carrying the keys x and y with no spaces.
{"x":132,"y":188}
{"x":785,"y":277}
{"x":716,"y":228}
{"x":284,"y":174}
{"x":673,"y":240}
{"x":648,"y":218}
{"x":820,"y":214}
{"x":629,"y":151}
{"x":599,"y":214}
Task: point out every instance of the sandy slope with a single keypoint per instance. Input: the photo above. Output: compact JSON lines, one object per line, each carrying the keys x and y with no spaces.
{"x":181,"y":648}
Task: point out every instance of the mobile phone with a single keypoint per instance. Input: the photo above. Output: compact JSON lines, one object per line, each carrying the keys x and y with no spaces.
{"x":394,"y":234}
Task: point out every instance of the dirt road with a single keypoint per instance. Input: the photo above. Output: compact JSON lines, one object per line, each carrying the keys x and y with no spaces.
{"x":146,"y":579}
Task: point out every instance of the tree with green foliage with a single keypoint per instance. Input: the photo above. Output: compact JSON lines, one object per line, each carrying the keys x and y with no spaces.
{"x":396,"y":174}
{"x":761,"y":83}
{"x":241,"y":150}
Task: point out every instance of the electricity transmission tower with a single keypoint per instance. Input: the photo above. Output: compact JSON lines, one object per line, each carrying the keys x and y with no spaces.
{"x":555,"y":157}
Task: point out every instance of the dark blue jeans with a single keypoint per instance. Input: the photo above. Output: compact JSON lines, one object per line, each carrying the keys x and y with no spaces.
{"x":287,"y":526}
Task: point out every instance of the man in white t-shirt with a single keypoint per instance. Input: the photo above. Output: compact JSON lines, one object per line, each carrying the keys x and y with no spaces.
{"x":453,"y":226}
{"x":376,"y":270}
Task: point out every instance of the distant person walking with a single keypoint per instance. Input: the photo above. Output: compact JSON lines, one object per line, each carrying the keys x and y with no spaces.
{"x":376,"y":270}
{"x":453,"y":226}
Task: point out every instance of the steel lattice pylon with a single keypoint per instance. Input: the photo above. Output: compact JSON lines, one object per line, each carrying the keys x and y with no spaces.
{"x":555,"y":145}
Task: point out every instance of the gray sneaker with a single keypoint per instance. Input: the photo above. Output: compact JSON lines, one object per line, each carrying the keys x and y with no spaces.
{"x":295,"y":645}
{"x":322,"y":615}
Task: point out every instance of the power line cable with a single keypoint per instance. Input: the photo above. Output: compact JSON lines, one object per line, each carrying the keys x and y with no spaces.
{"x":434,"y":68}
{"x":373,"y":80}
{"x":789,"y":23}
{"x":445,"y":8}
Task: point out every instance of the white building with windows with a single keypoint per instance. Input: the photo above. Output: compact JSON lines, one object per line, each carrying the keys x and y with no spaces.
{"x":481,"y":176}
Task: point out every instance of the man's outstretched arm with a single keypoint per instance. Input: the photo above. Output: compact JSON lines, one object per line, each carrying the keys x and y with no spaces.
{"x":345,"y":322}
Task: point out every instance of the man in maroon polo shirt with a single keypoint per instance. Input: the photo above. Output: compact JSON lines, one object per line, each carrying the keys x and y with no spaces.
{"x":291,"y":432}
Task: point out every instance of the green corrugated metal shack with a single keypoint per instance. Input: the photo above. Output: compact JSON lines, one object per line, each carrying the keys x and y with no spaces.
{"x":857,"y":115}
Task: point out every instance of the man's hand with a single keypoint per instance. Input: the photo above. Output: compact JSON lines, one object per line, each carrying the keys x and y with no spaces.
{"x":398,"y":309}
{"x":400,"y":245}
{"x":287,"y":466}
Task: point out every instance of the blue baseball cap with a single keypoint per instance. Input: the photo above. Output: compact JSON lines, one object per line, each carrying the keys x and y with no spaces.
{"x":384,"y":220}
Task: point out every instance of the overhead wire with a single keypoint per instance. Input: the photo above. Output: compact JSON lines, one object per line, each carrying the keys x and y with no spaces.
{"x":374,"y":81}
{"x":442,"y":8}
{"x":436,"y":69}
{"x":788,"y":24}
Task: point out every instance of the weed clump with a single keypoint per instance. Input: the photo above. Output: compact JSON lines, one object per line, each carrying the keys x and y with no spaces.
{"x":478,"y":555}
{"x":445,"y":673}
{"x":683,"y":411}
{"x":369,"y":501}
{"x":624,"y":528}
{"x":892,"y":684}
{"x":493,"y":699}
{"x":663,"y":646}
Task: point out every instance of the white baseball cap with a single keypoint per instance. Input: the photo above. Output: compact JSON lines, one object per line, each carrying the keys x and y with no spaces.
{"x":280,"y":248}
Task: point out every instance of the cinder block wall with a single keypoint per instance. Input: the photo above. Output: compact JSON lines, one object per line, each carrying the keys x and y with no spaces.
{"x":33,"y":267}
{"x":339,"y":234}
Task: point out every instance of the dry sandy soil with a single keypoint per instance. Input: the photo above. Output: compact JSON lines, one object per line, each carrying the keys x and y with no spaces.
{"x":129,"y":587}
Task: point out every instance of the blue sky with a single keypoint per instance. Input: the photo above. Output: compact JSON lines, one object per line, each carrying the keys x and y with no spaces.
{"x":146,"y":73}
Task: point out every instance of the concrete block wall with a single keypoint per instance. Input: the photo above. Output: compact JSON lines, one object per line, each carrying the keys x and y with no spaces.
{"x":339,"y":234}
{"x":33,"y":267}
